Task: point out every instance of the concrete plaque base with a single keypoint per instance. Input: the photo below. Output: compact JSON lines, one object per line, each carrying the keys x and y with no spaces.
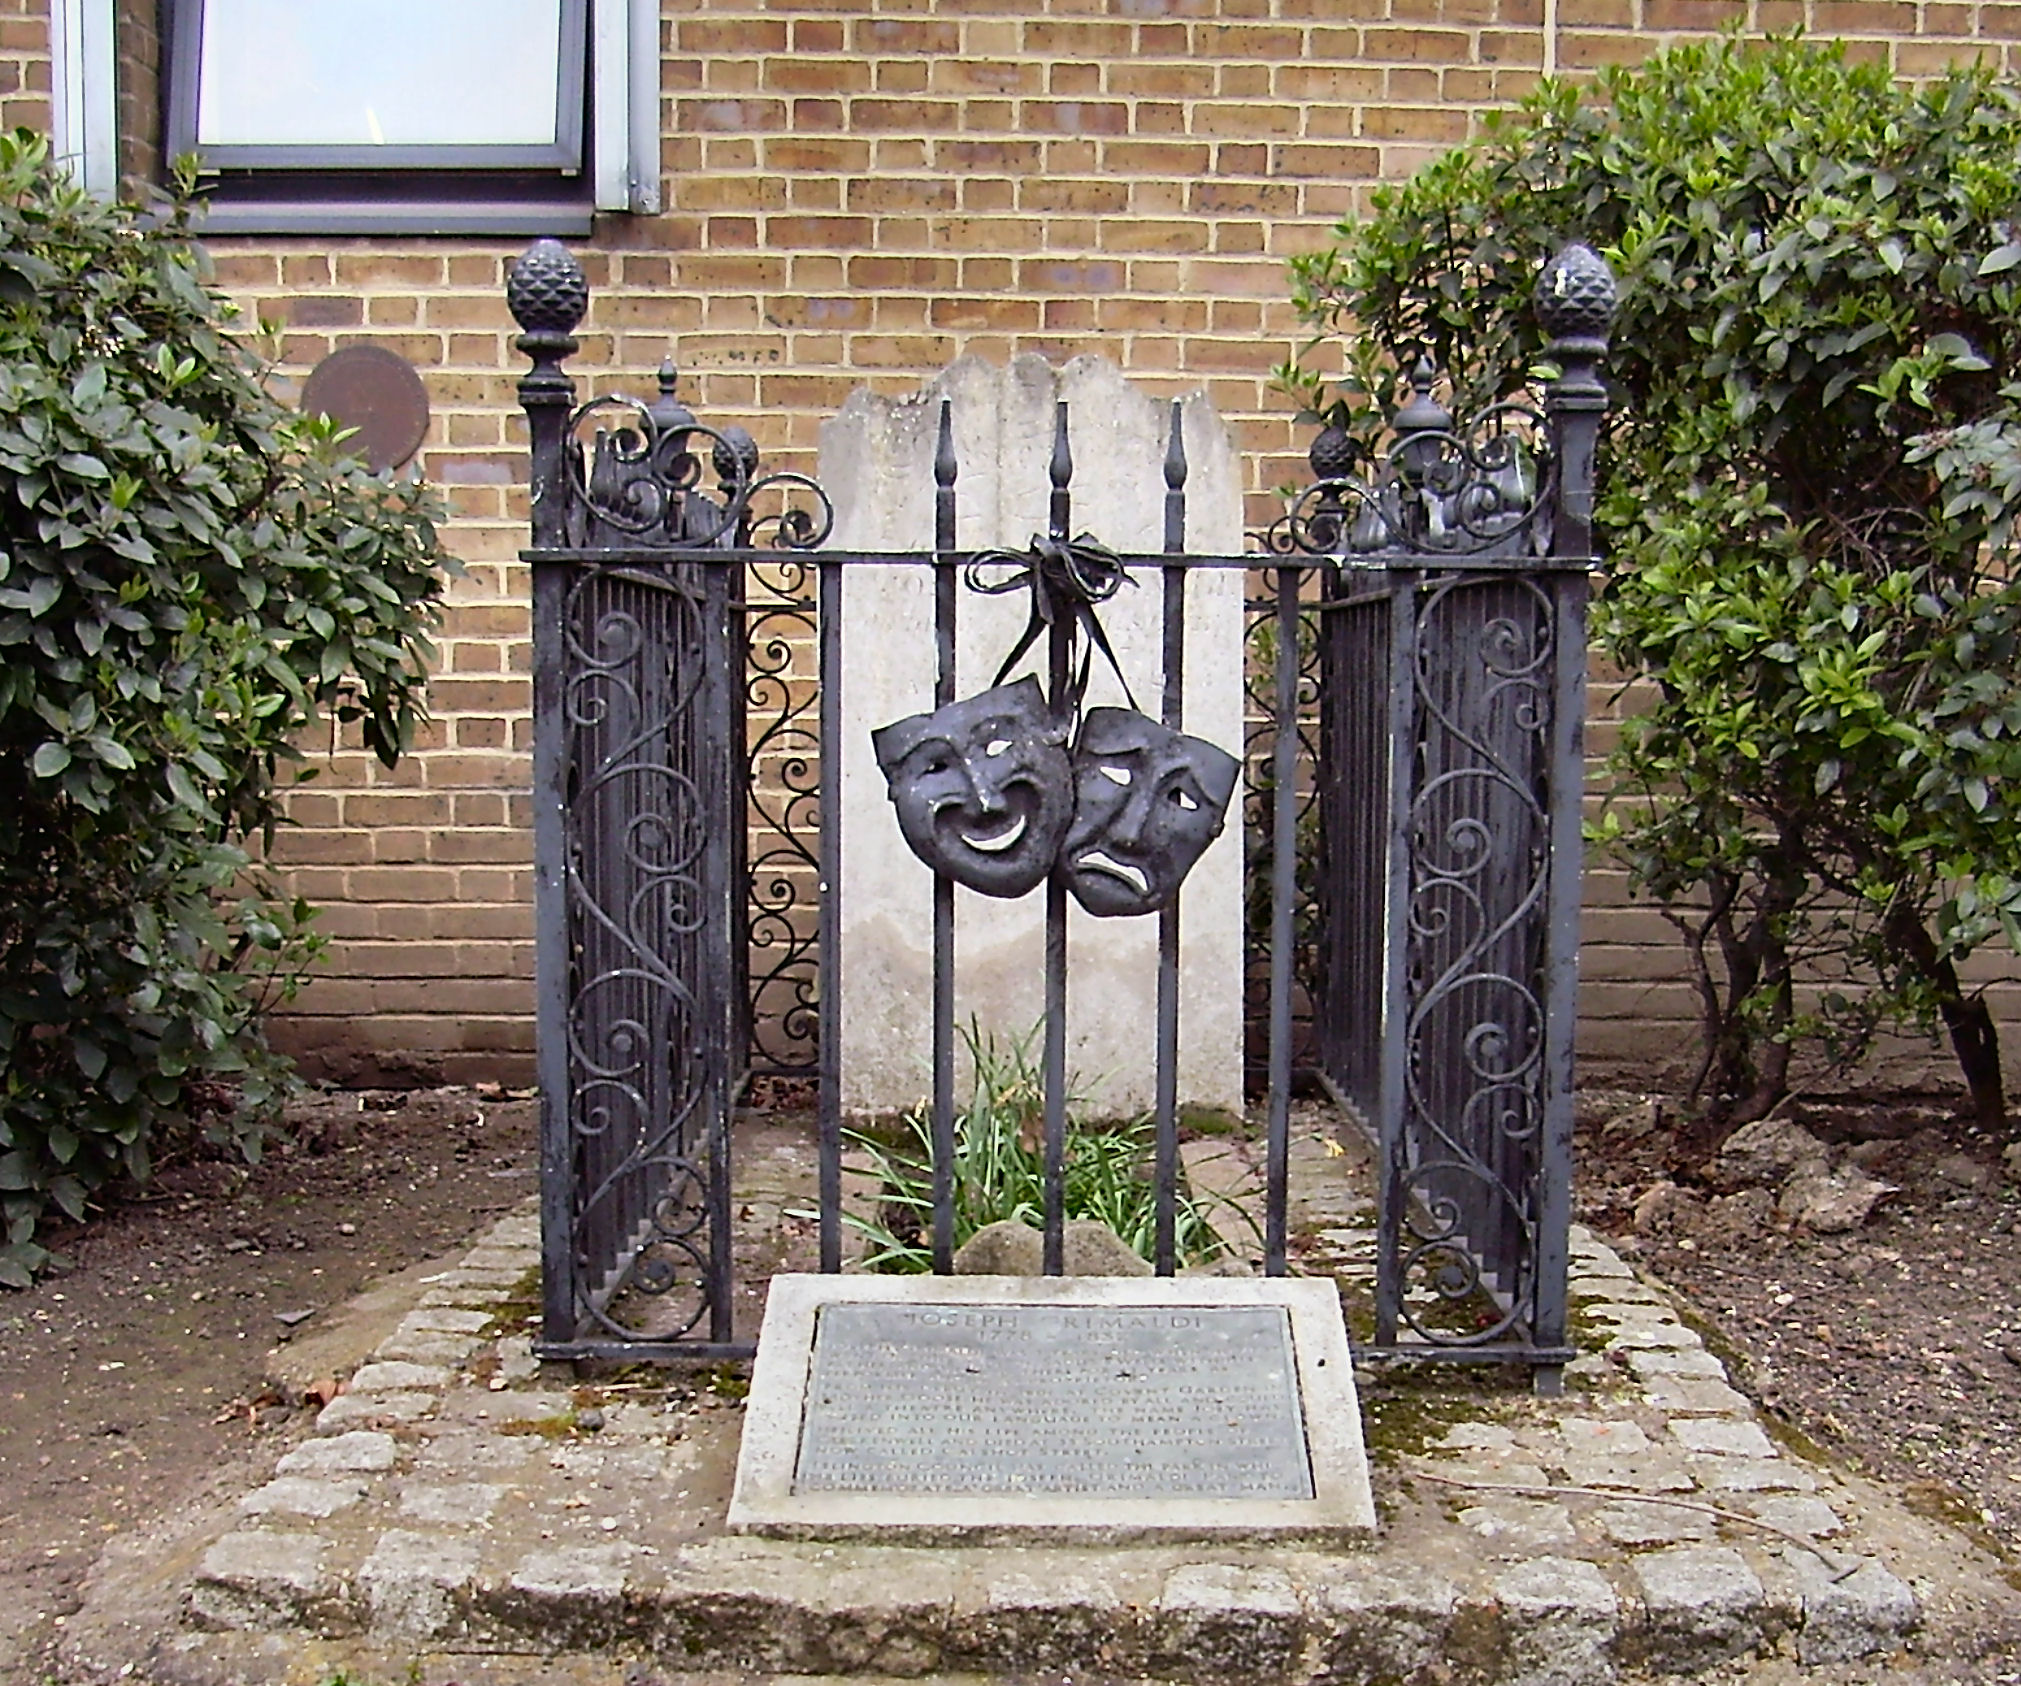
{"x":1077,"y":1409}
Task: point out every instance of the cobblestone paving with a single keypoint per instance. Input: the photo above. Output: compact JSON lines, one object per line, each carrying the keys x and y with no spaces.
{"x":461,"y":1502}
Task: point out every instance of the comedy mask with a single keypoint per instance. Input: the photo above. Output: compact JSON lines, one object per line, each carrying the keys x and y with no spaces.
{"x":982,"y":787}
{"x":1148,"y":801}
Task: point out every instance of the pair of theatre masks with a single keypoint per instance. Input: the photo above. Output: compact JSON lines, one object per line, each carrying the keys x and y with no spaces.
{"x":989,"y":793}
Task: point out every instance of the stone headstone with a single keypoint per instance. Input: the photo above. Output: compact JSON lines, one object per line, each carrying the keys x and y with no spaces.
{"x":970,"y":1408}
{"x":877,"y":462}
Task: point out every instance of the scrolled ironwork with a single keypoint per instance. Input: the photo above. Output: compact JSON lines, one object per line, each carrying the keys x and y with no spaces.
{"x":1447,"y":492}
{"x":1476,"y":830}
{"x":639,"y":471}
{"x":640,"y":830}
{"x":1442,"y":1270}
{"x":782,"y":793}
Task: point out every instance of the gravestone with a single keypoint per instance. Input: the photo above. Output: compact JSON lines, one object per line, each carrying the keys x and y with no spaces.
{"x":877,"y":463}
{"x":1071,"y":1408}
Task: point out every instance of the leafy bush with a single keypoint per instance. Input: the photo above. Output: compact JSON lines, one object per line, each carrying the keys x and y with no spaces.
{"x":1809,"y":496}
{"x":189,"y":573}
{"x":999,"y":1171}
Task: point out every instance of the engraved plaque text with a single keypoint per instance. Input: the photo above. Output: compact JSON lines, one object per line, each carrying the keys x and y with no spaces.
{"x":1140,"y":1402}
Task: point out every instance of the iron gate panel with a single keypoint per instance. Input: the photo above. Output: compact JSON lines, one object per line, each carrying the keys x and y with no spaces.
{"x":636,"y":665}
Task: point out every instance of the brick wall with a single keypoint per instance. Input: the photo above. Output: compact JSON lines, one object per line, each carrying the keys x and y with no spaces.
{"x":24,"y":64}
{"x":859,"y":191}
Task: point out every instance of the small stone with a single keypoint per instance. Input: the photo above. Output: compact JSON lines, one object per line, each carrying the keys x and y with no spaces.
{"x":1657,"y":1470}
{"x":1520,"y":1525}
{"x":1483,"y":1469}
{"x":1697,"y":1394}
{"x":1655,"y":1334}
{"x":444,"y":1320}
{"x":1599,"y":1434}
{"x":1222,"y":1620}
{"x":1676,"y":1361}
{"x":1728,"y":1438}
{"x":462,"y":1505}
{"x":516,"y":1260}
{"x":1830,"y":1202}
{"x":1009,"y":1247}
{"x":1228,"y":1586}
{"x":426,"y":1350}
{"x":397,"y":1377}
{"x":353,"y":1410}
{"x":1639,"y":1523}
{"x":574,"y":1571}
{"x":516,"y":1362}
{"x":1765,"y":1153}
{"x":1383,"y":1622}
{"x":1666,"y":1209}
{"x":521,"y":1230}
{"x":1750,"y":1475}
{"x":347,"y":1229}
{"x":1495,"y":1437}
{"x":589,"y":1419}
{"x":302,"y":1495}
{"x":1798,"y":1513}
{"x":361,"y":1451}
{"x":1961,"y":1170}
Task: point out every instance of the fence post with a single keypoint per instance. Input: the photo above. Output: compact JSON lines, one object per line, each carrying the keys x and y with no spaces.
{"x":548,"y":294}
{"x":1576,"y":296}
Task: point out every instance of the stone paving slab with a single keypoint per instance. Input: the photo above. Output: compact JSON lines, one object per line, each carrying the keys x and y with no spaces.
{"x":469,"y":1514}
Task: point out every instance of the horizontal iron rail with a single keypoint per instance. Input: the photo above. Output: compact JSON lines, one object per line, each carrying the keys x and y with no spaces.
{"x":1400,"y":1352}
{"x":704,"y":1352}
{"x":1148,"y":561}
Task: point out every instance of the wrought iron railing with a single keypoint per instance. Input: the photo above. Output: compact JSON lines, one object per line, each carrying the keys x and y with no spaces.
{"x":1417,"y":664}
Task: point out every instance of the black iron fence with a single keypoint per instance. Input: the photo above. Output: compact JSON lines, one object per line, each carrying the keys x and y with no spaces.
{"x":1413,"y":808}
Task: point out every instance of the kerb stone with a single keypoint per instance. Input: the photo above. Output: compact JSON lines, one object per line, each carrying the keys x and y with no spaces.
{"x":1846,"y":1618}
{"x":1223,"y":1621}
{"x":1373,"y":1623}
{"x":1700,"y":1603}
{"x":411,"y":1581}
{"x":264,"y":1579}
{"x":1559,"y":1615}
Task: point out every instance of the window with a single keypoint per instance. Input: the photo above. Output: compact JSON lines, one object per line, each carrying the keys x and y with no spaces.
{"x":424,"y":116}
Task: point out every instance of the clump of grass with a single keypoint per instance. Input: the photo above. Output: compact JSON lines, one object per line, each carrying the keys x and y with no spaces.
{"x":999,"y":1169}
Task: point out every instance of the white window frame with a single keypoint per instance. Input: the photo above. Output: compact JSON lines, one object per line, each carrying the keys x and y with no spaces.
{"x":624,"y":103}
{"x":84,"y":89}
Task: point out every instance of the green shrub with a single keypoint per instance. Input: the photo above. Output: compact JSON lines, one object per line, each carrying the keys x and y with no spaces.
{"x":999,"y":1171}
{"x":189,"y":574}
{"x":1808,"y":495}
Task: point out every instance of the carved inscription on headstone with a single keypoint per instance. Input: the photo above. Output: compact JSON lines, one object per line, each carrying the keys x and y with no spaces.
{"x":1147,"y":1402}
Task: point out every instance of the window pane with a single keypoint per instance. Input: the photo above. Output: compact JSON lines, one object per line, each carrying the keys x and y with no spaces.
{"x":379,"y":72}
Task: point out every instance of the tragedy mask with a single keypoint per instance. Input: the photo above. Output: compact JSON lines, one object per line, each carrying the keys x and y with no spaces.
{"x":1148,"y":801}
{"x":983,"y":787}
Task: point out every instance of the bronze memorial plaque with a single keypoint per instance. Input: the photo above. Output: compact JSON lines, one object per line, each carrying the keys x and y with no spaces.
{"x":1084,"y":1401}
{"x":1067,"y":1410}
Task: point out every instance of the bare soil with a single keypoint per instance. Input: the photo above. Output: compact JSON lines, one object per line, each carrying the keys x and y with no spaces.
{"x":1895,"y":1347}
{"x":135,"y":1378}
